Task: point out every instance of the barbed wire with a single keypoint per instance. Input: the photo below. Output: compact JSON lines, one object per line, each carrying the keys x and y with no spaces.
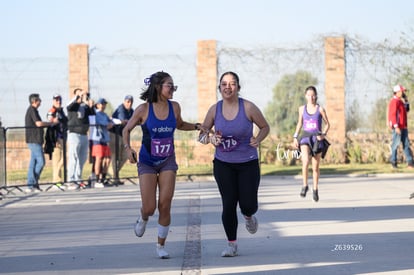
{"x":371,"y":71}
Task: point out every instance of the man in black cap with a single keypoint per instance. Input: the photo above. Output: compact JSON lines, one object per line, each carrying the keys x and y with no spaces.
{"x":55,"y":137}
{"x":120,"y":118}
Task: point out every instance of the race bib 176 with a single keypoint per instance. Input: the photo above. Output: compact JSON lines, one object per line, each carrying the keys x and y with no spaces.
{"x":228,"y":144}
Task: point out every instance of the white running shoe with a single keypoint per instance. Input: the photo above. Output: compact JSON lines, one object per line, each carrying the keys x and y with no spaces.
{"x":140,"y":227}
{"x":252,"y":224}
{"x":99,"y":185}
{"x":31,"y":190}
{"x":230,"y":251}
{"x":162,"y":253}
{"x":72,"y":186}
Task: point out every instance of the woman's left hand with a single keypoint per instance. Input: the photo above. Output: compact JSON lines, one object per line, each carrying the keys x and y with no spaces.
{"x":254,"y":143}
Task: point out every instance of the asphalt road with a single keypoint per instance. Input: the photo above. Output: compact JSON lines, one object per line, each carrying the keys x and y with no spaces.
{"x":361,"y":225}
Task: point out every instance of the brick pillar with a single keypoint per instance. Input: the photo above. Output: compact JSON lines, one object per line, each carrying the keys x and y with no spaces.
{"x":207,"y":90}
{"x":78,"y":67}
{"x":206,"y":76}
{"x":335,"y":95}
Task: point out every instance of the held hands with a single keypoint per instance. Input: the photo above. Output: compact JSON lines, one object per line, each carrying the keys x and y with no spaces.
{"x":206,"y":137}
{"x":203,"y":138}
{"x":215,"y":139}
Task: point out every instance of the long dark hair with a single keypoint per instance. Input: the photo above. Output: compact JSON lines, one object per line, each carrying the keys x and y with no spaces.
{"x":312,"y":88}
{"x":154,"y":83}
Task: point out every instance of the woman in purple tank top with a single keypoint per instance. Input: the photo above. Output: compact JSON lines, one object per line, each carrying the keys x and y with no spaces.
{"x":158,"y":117}
{"x":312,"y":141}
{"x":235,"y":165}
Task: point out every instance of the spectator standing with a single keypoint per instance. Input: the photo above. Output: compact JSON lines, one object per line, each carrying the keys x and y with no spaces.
{"x":79,"y":109}
{"x":398,"y":121}
{"x":57,"y":136}
{"x":92,"y":130}
{"x":236,"y":162}
{"x":120,"y":118}
{"x":34,"y":139}
{"x":100,"y":146}
{"x":159,"y":116}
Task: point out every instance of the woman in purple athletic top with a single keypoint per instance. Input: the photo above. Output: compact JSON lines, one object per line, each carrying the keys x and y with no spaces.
{"x":159,"y":116}
{"x":235,"y":165}
{"x":312,"y":142}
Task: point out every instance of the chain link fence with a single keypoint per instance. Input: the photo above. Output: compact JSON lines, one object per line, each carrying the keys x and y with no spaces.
{"x":371,"y":71}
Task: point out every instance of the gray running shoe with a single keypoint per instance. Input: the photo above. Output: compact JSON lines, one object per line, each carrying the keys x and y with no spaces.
{"x":230,"y":250}
{"x":252,"y":224}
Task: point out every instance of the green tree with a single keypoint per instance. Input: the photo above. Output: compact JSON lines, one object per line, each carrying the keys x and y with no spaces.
{"x":377,"y":119}
{"x":354,"y":118}
{"x":288,"y":95}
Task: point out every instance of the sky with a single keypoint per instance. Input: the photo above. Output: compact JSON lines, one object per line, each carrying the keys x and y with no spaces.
{"x":42,"y":29}
{"x":45,"y":28}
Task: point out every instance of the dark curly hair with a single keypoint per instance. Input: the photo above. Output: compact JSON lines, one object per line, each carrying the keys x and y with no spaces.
{"x":155,"y":82}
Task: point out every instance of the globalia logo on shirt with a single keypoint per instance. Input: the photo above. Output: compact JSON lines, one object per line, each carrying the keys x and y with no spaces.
{"x":163,"y":129}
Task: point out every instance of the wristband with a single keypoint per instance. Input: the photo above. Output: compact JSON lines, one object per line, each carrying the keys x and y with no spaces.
{"x":295,"y":135}
{"x":196,"y":126}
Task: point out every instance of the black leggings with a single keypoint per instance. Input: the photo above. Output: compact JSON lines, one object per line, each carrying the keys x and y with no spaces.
{"x":237,"y":183}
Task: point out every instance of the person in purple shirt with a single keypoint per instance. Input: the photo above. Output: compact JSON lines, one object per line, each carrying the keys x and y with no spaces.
{"x":158,"y":117}
{"x":312,"y":141}
{"x":236,"y":163}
